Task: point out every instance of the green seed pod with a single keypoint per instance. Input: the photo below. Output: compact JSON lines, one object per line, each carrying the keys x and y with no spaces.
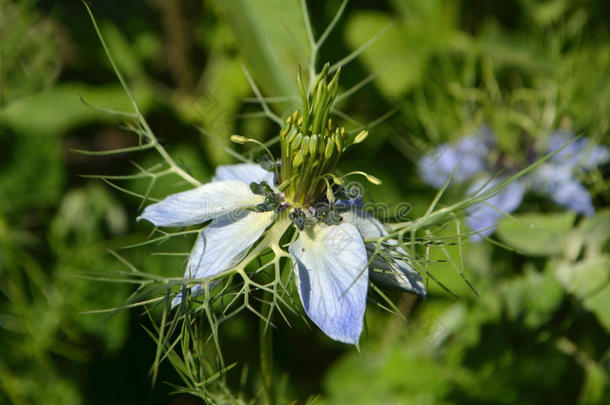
{"x":298,"y":159}
{"x":328,"y":152}
{"x":313,"y":144}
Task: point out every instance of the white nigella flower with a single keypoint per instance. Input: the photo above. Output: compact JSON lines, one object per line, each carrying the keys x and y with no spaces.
{"x":330,"y":258}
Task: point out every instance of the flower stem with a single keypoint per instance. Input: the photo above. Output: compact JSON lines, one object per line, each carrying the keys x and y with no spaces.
{"x":266,"y":351}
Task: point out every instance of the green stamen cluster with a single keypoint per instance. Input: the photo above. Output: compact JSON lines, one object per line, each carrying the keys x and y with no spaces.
{"x":311,"y":143}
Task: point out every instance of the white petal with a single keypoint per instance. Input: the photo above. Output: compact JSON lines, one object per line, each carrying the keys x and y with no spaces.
{"x":226,"y":241}
{"x":393,"y":272}
{"x":201,"y":204}
{"x":222,"y":245}
{"x":368,"y":226}
{"x":245,"y":172}
{"x":330,"y":268}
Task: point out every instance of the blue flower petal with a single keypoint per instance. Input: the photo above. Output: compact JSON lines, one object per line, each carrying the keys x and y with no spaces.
{"x":580,"y":153}
{"x":201,"y":204}
{"x":246,"y":172}
{"x":435,"y":168}
{"x":483,"y":217}
{"x":385,"y":269}
{"x":573,"y":196}
{"x":330,"y":265}
{"x":557,"y":182}
{"x":223,"y":244}
{"x":467,"y":158}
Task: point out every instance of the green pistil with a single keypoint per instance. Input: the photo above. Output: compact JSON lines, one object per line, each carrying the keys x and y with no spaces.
{"x":311,"y":143}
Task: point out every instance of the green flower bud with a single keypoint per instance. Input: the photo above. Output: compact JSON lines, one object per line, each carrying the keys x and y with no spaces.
{"x":239,"y":139}
{"x":362,"y":135}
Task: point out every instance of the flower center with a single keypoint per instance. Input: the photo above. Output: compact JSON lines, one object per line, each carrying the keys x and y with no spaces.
{"x":311,"y":143}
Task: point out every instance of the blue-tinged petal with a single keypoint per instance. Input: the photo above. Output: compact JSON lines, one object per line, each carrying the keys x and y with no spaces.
{"x":483,"y":217}
{"x":350,"y":203}
{"x":599,"y":155}
{"x":330,"y":268}
{"x":385,"y":269}
{"x":435,"y":168}
{"x":467,"y":158}
{"x":196,"y":291}
{"x":246,"y":172}
{"x":581,"y":153}
{"x":201,"y":204}
{"x":394,"y":273}
{"x":223,"y":244}
{"x":475,"y":145}
{"x":368,"y":226}
{"x":574,"y":196}
{"x":557,"y":182}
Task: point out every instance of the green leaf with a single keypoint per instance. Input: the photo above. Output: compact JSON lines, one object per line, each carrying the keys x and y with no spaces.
{"x":595,"y":231}
{"x":31,"y":171}
{"x":224,"y":87}
{"x":60,"y":108}
{"x":537,"y":234}
{"x":272,"y":39}
{"x":401,"y":54}
{"x":596,"y":381}
{"x":532,"y":297}
{"x":589,"y":281}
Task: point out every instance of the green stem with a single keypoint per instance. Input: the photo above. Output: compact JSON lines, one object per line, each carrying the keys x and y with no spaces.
{"x":266,"y":351}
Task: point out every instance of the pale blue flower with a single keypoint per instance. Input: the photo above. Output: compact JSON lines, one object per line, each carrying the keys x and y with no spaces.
{"x":555,"y":178}
{"x":467,"y":158}
{"x":558,"y":183}
{"x":484,"y":217}
{"x":330,"y":262}
{"x":579,"y":154}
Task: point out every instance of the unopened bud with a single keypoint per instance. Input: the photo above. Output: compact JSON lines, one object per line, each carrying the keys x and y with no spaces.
{"x":372,"y":179}
{"x":239,"y":139}
{"x":361,"y":136}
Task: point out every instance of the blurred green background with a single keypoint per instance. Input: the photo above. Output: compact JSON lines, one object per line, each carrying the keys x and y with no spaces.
{"x":538,"y":333}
